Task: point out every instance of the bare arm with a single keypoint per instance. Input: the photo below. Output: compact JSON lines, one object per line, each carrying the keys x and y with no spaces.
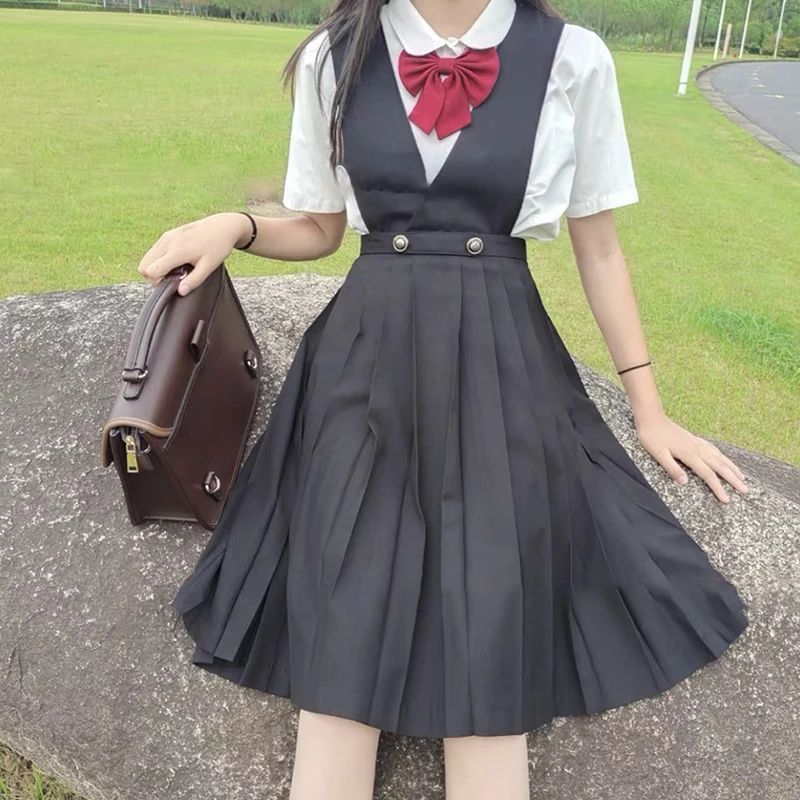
{"x":609,"y":292}
{"x":606,"y":282}
{"x":306,"y":237}
{"x":207,"y":242}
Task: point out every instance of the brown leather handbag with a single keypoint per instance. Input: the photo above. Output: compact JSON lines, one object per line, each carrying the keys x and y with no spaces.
{"x":190,"y":384}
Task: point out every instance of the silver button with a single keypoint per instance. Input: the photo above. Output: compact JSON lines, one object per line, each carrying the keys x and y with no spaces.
{"x":400,"y":243}
{"x":475,"y":245}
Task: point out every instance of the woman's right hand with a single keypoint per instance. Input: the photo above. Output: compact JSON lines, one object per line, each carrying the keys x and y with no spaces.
{"x":204,"y":244}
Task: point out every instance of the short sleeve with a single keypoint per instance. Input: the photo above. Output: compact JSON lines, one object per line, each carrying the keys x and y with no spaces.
{"x":603,"y":169}
{"x":311,"y":183}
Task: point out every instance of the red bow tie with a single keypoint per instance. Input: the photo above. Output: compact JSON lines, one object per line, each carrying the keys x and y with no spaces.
{"x":445,"y":104}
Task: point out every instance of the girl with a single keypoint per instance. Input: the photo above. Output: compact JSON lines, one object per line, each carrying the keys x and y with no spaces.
{"x":437,"y":534}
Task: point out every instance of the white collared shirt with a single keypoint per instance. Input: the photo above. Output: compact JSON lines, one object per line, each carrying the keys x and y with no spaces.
{"x":581,"y":162}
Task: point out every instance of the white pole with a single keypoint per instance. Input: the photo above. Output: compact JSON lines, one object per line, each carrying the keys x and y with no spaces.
{"x":780,"y":29}
{"x":689,"y":51}
{"x":744,"y":32}
{"x":719,"y":30}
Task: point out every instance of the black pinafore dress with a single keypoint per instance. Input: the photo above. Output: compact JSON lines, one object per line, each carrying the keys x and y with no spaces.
{"x":437,"y":534}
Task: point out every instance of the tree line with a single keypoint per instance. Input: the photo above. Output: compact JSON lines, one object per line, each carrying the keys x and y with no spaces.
{"x":663,"y":24}
{"x":659,"y":25}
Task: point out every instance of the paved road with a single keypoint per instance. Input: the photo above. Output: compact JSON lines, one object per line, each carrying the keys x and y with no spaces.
{"x":768,"y":93}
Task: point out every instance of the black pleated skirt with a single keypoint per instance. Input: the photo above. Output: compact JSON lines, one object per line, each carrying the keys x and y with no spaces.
{"x":437,"y":534}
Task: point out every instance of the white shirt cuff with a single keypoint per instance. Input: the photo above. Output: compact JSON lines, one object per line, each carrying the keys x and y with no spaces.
{"x":595,"y":205}
{"x":313,"y":205}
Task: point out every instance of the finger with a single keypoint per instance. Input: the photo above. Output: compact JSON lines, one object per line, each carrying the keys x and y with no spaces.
{"x":162,"y":265}
{"x":704,"y":470}
{"x":724,"y":466}
{"x":158,"y":249}
{"x":204,"y":267}
{"x":144,"y":265}
{"x":721,"y":467}
{"x":725,"y":458}
{"x":672,"y":467}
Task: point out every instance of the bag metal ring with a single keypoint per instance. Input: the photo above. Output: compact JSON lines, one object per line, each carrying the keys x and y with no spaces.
{"x":251,"y":362}
{"x":212,"y":484}
{"x":140,"y":377}
{"x":138,"y":438}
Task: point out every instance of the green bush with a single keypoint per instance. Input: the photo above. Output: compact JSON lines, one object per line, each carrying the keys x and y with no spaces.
{"x":789,"y":46}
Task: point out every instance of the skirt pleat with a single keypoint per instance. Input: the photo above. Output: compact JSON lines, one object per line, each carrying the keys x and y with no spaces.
{"x":437,"y":534}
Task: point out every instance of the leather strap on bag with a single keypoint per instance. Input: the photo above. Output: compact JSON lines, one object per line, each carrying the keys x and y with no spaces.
{"x":134,"y":371}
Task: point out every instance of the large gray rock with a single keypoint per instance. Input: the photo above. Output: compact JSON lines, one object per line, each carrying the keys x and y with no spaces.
{"x":96,"y":684}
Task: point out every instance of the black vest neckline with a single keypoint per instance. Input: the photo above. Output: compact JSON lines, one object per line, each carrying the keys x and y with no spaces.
{"x":481,"y":184}
{"x":397,"y":101}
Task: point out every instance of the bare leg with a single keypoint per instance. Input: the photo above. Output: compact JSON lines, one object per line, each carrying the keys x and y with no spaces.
{"x":487,"y":768}
{"x":334,"y":759}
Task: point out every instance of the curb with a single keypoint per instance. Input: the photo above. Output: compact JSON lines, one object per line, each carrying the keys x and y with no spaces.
{"x":702,"y":79}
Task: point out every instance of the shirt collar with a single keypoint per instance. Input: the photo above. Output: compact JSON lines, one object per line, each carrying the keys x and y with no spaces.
{"x":418,"y":38}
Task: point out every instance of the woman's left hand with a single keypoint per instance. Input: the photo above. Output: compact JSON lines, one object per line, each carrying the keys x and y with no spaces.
{"x":667,"y":441}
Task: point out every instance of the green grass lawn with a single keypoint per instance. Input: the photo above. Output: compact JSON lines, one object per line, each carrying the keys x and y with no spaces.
{"x":115,"y":128}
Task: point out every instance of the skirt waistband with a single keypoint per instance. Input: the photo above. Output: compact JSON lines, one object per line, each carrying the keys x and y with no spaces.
{"x":444,"y":243}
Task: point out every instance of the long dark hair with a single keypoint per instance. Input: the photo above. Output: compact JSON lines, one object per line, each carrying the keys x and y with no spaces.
{"x":358,"y":19}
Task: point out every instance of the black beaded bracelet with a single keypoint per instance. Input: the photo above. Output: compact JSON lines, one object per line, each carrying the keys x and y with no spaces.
{"x":627,"y":369}
{"x":255,"y":230}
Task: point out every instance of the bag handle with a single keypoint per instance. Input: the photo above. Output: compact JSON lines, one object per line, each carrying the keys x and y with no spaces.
{"x":134,"y":371}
